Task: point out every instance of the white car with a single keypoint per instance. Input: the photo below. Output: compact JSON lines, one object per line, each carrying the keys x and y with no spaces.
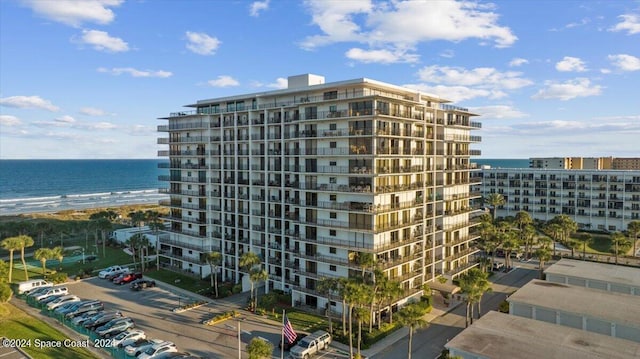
{"x":125,"y":338}
{"x":140,"y":346}
{"x":157,"y":350}
{"x":52,"y":291}
{"x":62,"y":300}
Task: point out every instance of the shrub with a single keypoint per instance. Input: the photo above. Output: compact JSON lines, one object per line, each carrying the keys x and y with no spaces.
{"x":5,"y":292}
{"x":237,"y":288}
{"x":59,"y":277}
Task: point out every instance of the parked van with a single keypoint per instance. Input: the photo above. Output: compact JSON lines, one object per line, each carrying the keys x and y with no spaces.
{"x":29,"y":285}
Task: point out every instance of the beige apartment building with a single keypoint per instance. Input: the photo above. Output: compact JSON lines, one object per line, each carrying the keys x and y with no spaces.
{"x":311,"y":176}
{"x":586,"y":163}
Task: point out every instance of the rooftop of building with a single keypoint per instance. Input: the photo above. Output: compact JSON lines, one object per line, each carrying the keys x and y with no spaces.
{"x":498,"y":335}
{"x":609,"y":306}
{"x":597,"y":271}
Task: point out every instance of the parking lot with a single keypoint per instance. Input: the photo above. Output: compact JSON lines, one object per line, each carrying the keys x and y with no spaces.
{"x":151,"y":310}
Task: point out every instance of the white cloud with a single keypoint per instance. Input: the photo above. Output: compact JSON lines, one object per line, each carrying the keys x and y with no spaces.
{"x":605,"y":71}
{"x":8,"y":120}
{"x":457,"y":93}
{"x":73,"y":12}
{"x":223,"y":81}
{"x":102,"y":126}
{"x":380,"y":56}
{"x":579,"y":87}
{"x":518,"y":62}
{"x":579,"y":23}
{"x":92,"y":111}
{"x":571,"y":64}
{"x":102,"y":41}
{"x":281,"y":83}
{"x":447,"y":54}
{"x":28,"y":102}
{"x":257,"y":6}
{"x":135,"y":73}
{"x":630,"y":23}
{"x":485,"y":77}
{"x":66,"y":119}
{"x":498,"y":112}
{"x":400,"y":25}
{"x":201,"y":43}
{"x":625,"y":62}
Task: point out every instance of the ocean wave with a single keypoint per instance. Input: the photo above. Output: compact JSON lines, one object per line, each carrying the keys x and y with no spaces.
{"x":78,"y":201}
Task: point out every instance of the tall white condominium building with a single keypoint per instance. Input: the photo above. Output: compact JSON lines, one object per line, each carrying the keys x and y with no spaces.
{"x":312,"y":176}
{"x":595,"y":199}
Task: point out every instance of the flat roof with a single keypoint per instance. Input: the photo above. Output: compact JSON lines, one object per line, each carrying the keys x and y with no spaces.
{"x":614,"y":307}
{"x":597,"y":271}
{"x":499,"y":335}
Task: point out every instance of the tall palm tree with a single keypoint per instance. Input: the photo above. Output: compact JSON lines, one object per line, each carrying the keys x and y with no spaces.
{"x":618,"y":240}
{"x":155,"y":224}
{"x":144,"y":245}
{"x":256,"y":275}
{"x":494,"y":200}
{"x":214,"y":259}
{"x":412,"y":316}
{"x":634,"y":231}
{"x":527,"y":235}
{"x":353,"y":293}
{"x":544,"y":255}
{"x":523,"y":219}
{"x":509,"y":244}
{"x":365,"y":260}
{"x":327,"y":286}
{"x":555,"y":231}
{"x":11,"y":244}
{"x":248,"y":261}
{"x":43,"y":255}
{"x":134,"y":244}
{"x":25,"y":241}
{"x":585,"y":238}
{"x":43,"y":228}
{"x":58,"y":254}
{"x":342,"y":289}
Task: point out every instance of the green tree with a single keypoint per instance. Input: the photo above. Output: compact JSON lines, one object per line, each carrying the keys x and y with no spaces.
{"x":43,"y":255}
{"x":474,"y":283}
{"x":494,"y":200}
{"x":11,"y":244}
{"x":156,"y":225}
{"x":523,"y":219}
{"x":412,"y":316}
{"x":256,"y":275}
{"x":633,"y":228}
{"x":44,"y":228}
{"x":510,"y":244}
{"x":25,"y":242}
{"x":365,"y":260}
{"x":555,"y":231}
{"x":259,"y":349}
{"x":618,"y":240}
{"x":4,"y":272}
{"x":248,"y":261}
{"x":353,"y":296}
{"x":585,"y":238}
{"x":134,"y":243}
{"x":58,"y":254}
{"x":544,"y":255}
{"x":327,"y":286}
{"x":214,"y":259}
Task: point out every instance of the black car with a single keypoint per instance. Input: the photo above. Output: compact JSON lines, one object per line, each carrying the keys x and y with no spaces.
{"x":288,"y":345}
{"x":142,"y":283}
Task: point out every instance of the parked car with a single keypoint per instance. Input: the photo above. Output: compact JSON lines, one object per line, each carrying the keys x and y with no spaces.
{"x":82,"y":318}
{"x":114,"y":327}
{"x":83,"y":308}
{"x":52,"y":291}
{"x":112,"y":271}
{"x":127,"y":278}
{"x":288,"y":345}
{"x":179,"y":355}
{"x":38,"y":291}
{"x":70,"y":298}
{"x":139,"y":346}
{"x":142,"y":283}
{"x":127,"y":337}
{"x":156,"y":350}
{"x":50,"y":298}
{"x":310,"y":345}
{"x":28,"y":286}
{"x":498,"y":266}
{"x":66,"y":307}
{"x":101,"y":319}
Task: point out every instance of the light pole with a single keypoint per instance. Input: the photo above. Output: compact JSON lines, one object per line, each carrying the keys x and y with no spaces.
{"x":82,"y":255}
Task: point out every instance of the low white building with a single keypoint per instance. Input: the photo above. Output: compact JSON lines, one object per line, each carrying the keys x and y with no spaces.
{"x":498,"y":335}
{"x":608,"y":313}
{"x":603,"y":276}
{"x":122,"y":235}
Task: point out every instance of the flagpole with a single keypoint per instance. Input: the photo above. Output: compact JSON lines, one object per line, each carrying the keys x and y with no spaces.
{"x":239,"y":342}
{"x":282,"y":337}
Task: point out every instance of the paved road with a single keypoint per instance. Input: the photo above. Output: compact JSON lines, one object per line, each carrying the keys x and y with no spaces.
{"x":429,"y":342}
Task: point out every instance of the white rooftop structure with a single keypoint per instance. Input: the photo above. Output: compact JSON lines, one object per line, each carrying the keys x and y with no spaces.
{"x":498,"y":335}
{"x":603,"y":276}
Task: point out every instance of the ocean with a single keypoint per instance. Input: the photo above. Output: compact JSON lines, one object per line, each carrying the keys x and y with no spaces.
{"x":28,"y":186}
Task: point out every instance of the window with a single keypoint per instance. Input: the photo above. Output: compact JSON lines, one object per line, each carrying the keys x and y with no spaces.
{"x":332,"y":232}
{"x":333,"y":127}
{"x":330,"y":95}
{"x":332,"y":268}
{"x":311,"y":113}
{"x":333,"y":108}
{"x":333,"y":197}
{"x":333,"y":215}
{"x":333,"y":163}
{"x":333,"y":144}
{"x":332,"y":250}
{"x":333,"y":180}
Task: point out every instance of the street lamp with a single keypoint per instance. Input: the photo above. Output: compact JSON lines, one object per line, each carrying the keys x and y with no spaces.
{"x":82,"y":255}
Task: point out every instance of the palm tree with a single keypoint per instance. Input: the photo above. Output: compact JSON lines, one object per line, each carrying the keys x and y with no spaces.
{"x":412,"y":316}
{"x":104,"y":225}
{"x":585,"y":238}
{"x":155,"y":223}
{"x":144,"y":244}
{"x":523,"y":219}
{"x":494,"y":200}
{"x":474,"y":284}
{"x":634,"y":231}
{"x":555,"y":230}
{"x":527,"y":235}
{"x":43,"y":255}
{"x":25,"y":241}
{"x":618,"y":240}
{"x":326,"y":286}
{"x":248,"y":261}
{"x":352,"y":296}
{"x":137,"y":218}
{"x":214,"y":259}
{"x":391,"y":292}
{"x":544,"y":255}
{"x":58,"y":253}
{"x":509,"y":244}
{"x":259,"y":349}
{"x":11,"y":244}
{"x":134,"y":244}
{"x":256,"y":275}
{"x":341,"y":288}
{"x":365,"y":260}
{"x":43,"y":228}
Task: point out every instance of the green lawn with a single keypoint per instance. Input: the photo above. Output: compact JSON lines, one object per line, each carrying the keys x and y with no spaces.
{"x":16,"y":324}
{"x":183,"y":281}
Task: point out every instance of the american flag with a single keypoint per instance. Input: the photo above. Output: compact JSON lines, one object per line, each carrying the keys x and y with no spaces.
{"x":288,"y":331}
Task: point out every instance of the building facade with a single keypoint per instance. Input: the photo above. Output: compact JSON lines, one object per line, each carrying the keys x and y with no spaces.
{"x":586,"y":163}
{"x":604,"y":200}
{"x":312,"y":176}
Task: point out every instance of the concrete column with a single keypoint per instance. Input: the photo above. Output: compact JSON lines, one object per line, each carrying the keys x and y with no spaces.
{"x":613,"y":330}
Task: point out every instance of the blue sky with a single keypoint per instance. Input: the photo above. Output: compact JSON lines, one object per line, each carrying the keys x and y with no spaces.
{"x":88,"y":79}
